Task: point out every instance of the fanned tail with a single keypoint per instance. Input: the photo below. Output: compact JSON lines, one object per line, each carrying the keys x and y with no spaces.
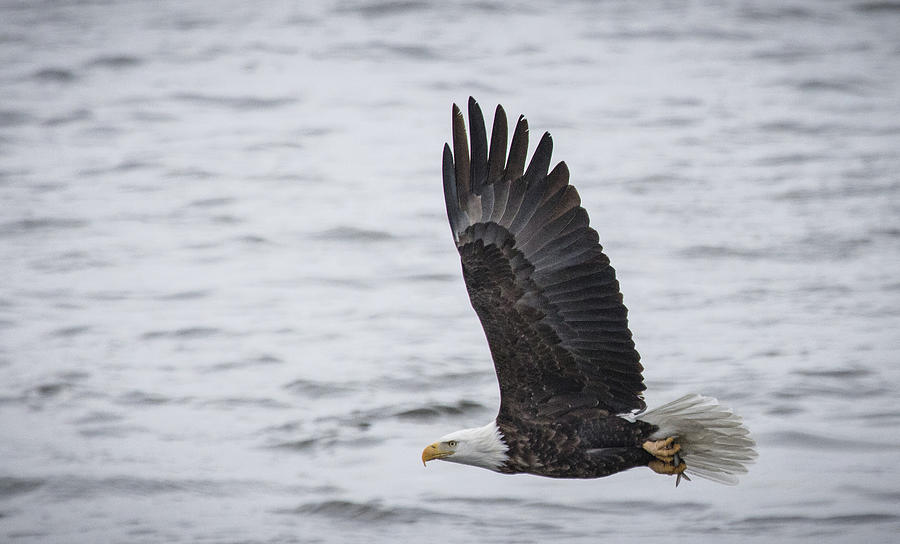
{"x":714,"y":442}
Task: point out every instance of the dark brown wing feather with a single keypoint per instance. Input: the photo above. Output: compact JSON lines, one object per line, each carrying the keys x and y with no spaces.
{"x":537,"y":276}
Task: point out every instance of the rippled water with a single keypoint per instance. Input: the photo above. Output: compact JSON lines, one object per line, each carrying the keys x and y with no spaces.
{"x":231,"y":311}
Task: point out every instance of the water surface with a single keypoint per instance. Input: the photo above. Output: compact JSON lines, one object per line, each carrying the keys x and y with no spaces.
{"x":231,"y":311}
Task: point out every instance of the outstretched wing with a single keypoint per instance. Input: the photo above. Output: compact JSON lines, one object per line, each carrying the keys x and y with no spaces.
{"x":537,"y":276}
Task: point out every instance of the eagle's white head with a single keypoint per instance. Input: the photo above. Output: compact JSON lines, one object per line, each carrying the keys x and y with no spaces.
{"x":480,"y":447}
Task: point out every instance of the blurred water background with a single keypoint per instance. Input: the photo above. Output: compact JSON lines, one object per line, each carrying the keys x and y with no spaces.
{"x":231,"y":310}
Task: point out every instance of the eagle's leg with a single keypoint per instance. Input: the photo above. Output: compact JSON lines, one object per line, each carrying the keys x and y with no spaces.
{"x":664,"y":450}
{"x":667,"y":459}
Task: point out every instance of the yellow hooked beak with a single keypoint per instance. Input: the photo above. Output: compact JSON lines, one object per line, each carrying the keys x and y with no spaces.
{"x":435,"y":451}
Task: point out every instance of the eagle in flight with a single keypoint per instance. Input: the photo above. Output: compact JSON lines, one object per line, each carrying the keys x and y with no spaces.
{"x":571,"y":403}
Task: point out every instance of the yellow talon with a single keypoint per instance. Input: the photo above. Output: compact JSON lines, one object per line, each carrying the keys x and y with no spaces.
{"x":661,"y":467}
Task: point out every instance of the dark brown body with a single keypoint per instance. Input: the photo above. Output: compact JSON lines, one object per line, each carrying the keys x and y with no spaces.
{"x":572,"y":447}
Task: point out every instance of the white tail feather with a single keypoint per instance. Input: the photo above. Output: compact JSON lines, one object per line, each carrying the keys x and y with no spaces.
{"x":714,"y":442}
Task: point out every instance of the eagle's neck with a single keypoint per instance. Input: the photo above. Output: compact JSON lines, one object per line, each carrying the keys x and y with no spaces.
{"x":481,"y":446}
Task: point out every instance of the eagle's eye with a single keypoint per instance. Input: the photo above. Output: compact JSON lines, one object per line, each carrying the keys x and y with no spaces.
{"x":452,"y":443}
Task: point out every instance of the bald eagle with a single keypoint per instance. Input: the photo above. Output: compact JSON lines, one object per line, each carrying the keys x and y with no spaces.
{"x":571,"y":389}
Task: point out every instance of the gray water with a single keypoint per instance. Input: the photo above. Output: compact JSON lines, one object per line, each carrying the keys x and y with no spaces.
{"x":231,"y":310}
